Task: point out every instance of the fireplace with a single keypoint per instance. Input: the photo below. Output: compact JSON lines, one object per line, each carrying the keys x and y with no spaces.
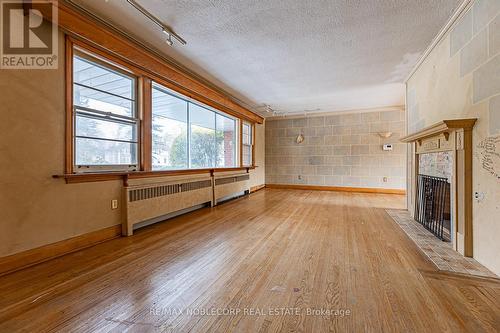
{"x":432,"y":208}
{"x":440,"y":181}
{"x":433,"y":187}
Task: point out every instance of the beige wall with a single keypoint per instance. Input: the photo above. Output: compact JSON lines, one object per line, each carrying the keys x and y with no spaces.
{"x":338,"y":150}
{"x":460,"y":78}
{"x":35,"y":208}
{"x":258,"y":175}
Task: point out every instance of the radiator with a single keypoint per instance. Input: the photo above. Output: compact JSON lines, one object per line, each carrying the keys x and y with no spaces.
{"x":146,"y":200}
{"x":230,"y":184}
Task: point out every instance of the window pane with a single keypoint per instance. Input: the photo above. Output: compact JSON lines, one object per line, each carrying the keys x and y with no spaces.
{"x":105,"y":129}
{"x":247,"y":155}
{"x":94,"y":75}
{"x":225,"y":137}
{"x":101,"y":101}
{"x":246,"y":134}
{"x":101,"y":152}
{"x":169,"y":131}
{"x":202,"y":137}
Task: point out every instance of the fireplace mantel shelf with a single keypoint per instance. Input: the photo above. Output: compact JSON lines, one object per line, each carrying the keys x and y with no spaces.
{"x":444,"y":126}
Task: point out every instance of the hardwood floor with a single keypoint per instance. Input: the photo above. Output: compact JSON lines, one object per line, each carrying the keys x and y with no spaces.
{"x":262,"y":262}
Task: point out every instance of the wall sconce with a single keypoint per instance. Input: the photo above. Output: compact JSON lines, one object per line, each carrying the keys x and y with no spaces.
{"x":299,"y":139}
{"x":385,"y":135}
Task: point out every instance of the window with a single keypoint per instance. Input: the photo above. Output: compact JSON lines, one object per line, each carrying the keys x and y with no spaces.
{"x":105,"y":120}
{"x":202,"y":147}
{"x":247,"y":143}
{"x":189,"y":135}
{"x":226,"y":141}
{"x":169,"y":131}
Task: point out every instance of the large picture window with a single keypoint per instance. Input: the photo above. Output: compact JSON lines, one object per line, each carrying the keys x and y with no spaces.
{"x":169,"y":131}
{"x":105,"y":120}
{"x":189,"y":135}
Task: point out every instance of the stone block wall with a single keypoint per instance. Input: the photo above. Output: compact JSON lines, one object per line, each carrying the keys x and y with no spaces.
{"x":338,"y":150}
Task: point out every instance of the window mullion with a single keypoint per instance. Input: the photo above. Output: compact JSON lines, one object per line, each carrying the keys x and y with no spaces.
{"x":104,"y":117}
{"x":188,"y":139}
{"x":215,"y":142}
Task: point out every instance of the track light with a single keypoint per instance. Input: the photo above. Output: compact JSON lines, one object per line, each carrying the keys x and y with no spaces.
{"x":159,"y":23}
{"x":169,"y":37}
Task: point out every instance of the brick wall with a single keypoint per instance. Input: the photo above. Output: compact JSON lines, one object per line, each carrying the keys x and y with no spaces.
{"x":228,"y":149}
{"x":338,"y":150}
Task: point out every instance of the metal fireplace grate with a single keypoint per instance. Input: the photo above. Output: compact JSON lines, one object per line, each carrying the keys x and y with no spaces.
{"x":433,"y":203}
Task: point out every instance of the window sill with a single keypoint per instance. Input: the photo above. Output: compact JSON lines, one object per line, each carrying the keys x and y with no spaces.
{"x":76,"y":178}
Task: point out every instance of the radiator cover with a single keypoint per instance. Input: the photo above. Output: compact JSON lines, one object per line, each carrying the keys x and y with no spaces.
{"x":148,"y":200}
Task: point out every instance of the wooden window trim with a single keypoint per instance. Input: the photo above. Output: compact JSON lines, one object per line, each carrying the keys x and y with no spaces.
{"x":76,"y":47}
{"x":81,"y":25}
{"x":145,"y":115}
{"x":252,"y":136}
{"x":76,"y":178}
{"x":69,"y":158}
{"x":241,"y":142}
{"x":146,"y":124}
{"x":253,"y":144}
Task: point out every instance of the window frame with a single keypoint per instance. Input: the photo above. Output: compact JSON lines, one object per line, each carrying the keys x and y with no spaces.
{"x":216,"y":112}
{"x":81,"y":111}
{"x":251,"y":128}
{"x":143,"y":106}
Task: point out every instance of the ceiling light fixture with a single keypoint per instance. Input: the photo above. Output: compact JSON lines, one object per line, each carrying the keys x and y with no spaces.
{"x":159,"y":23}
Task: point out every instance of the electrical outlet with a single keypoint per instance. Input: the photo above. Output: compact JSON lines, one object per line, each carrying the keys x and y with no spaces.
{"x":114,"y":204}
{"x":384,"y":179}
{"x":479,"y":196}
{"x":300,"y":177}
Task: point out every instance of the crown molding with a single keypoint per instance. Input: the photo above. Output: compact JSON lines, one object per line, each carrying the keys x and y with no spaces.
{"x":339,"y":112}
{"x":169,"y":60}
{"x":452,"y":21}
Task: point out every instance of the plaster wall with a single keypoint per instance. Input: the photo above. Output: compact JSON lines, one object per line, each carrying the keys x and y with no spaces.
{"x":460,"y":78}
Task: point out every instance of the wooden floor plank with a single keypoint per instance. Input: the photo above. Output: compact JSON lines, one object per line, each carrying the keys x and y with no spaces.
{"x":294,"y":251}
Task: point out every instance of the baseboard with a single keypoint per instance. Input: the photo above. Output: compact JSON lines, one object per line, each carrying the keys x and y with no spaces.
{"x":35,"y":256}
{"x":256,"y":188}
{"x":336,"y":188}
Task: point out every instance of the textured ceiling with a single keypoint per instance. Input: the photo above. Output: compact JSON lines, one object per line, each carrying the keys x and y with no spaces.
{"x":294,"y":55}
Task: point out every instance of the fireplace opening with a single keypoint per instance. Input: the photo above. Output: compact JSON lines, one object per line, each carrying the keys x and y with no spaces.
{"x":433,"y":205}
{"x":433,"y":200}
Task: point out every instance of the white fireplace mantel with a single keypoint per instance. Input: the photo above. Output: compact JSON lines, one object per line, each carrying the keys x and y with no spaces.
{"x":454,"y":135}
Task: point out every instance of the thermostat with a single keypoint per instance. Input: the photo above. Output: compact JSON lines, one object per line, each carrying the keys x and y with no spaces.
{"x":388,"y":146}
